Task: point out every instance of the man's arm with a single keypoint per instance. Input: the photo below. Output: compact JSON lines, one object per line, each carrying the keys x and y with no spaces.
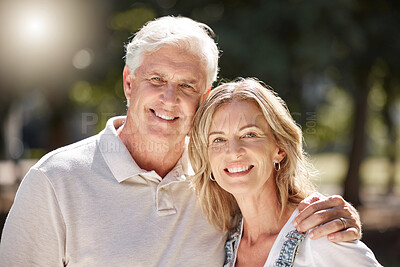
{"x":331,"y":216}
{"x":34,"y":232}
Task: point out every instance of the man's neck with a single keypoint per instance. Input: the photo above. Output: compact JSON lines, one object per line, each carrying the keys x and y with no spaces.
{"x":150,"y":155}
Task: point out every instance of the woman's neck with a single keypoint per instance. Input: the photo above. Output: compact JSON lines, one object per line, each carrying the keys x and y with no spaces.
{"x":262,"y":222}
{"x":262,"y":214}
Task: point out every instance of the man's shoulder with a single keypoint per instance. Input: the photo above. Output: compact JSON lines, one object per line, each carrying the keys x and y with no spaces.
{"x":68,"y":156}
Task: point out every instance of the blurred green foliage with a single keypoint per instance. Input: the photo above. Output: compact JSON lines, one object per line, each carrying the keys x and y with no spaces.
{"x":333,"y":62}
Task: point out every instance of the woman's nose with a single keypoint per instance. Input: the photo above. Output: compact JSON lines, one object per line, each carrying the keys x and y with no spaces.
{"x":236,"y":148}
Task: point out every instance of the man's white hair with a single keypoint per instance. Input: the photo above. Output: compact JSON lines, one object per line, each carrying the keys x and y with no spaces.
{"x":185,"y":33}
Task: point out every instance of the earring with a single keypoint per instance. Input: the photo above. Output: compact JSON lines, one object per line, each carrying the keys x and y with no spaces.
{"x":277,"y":166}
{"x":212,"y":177}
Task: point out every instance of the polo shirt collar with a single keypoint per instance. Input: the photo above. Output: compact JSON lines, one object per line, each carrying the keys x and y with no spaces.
{"x":120,"y":161}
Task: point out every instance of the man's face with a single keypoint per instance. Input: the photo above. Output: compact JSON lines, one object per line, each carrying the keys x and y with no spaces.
{"x":165,"y":94}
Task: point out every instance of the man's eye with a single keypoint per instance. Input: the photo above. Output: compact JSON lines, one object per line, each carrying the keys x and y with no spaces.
{"x":157,"y":79}
{"x":188,"y":88}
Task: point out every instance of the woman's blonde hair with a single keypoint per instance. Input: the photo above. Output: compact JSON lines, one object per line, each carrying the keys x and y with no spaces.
{"x":292,"y":180}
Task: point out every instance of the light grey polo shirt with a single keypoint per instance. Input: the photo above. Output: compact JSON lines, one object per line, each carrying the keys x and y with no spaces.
{"x":89,"y":204}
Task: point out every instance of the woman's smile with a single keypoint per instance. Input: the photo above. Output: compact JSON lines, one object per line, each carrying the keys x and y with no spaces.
{"x":241,"y":146}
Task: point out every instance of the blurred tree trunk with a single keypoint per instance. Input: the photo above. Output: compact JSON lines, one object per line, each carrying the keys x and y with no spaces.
{"x":391,"y":130}
{"x":353,"y":182}
{"x":392,"y":166}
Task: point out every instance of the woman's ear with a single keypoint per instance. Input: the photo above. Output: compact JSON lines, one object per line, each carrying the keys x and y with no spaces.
{"x":280,"y":154}
{"x":127,"y":80}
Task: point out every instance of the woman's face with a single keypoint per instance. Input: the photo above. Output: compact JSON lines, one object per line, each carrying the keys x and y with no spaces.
{"x":241,"y":149}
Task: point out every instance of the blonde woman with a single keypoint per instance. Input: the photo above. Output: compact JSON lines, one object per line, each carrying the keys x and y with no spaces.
{"x":251,"y":173}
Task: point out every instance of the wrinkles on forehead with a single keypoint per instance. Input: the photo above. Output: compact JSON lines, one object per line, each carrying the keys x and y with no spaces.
{"x":171,"y":64}
{"x":237,"y":116}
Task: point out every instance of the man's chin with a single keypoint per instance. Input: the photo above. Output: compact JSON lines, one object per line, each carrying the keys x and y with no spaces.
{"x":165,"y":135}
{"x":167,"y":131}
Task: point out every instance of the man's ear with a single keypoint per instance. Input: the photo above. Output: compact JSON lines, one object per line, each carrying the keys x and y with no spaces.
{"x":206,"y":94}
{"x":128,"y":80}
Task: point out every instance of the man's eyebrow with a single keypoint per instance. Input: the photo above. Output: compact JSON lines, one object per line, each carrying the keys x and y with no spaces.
{"x":191,"y":81}
{"x":151,"y":73}
{"x":184,"y":80}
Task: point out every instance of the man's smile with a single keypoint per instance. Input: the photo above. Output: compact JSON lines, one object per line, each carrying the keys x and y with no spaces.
{"x":163,"y":116}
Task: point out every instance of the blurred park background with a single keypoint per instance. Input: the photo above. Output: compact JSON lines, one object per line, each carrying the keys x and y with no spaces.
{"x":335,"y":63}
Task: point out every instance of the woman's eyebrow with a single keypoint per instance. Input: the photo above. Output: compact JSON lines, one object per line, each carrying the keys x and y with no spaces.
{"x":242,"y":128}
{"x":213,"y":133}
{"x":249,"y":126}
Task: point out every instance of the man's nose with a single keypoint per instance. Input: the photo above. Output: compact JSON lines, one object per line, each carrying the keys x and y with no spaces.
{"x":170,"y":94}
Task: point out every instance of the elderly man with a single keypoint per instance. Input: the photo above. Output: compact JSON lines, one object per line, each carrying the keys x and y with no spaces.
{"x":121,"y":198}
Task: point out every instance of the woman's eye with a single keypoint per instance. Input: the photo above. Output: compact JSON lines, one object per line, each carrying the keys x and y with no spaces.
{"x":218,"y":140}
{"x":249,"y":135}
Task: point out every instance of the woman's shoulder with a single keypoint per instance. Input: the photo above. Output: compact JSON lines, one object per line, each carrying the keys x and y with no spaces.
{"x":322,"y":252}
{"x":232,"y":244}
